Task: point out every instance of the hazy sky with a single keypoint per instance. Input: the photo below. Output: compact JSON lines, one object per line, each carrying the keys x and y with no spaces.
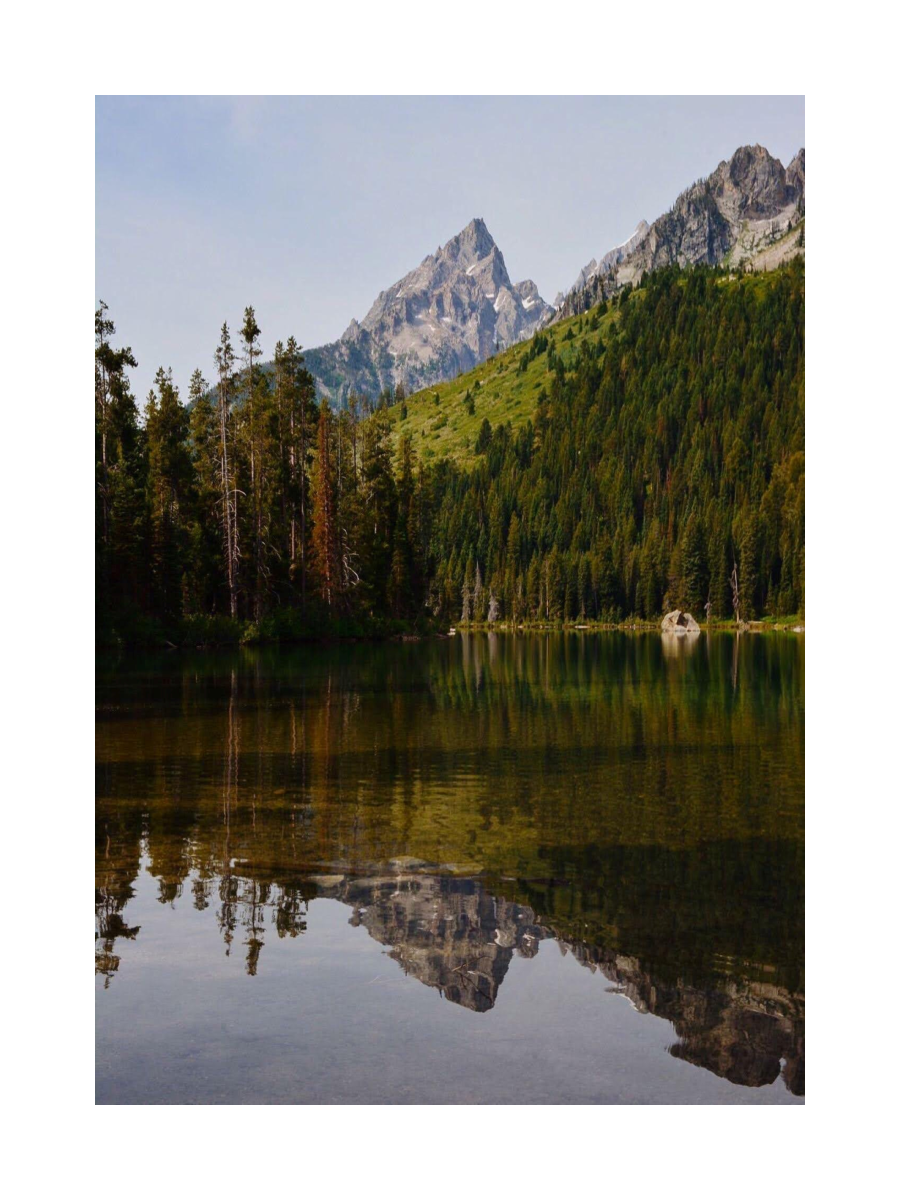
{"x":307,"y":208}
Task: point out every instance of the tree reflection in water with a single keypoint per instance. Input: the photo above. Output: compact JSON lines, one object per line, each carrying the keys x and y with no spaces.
{"x":636,"y":802}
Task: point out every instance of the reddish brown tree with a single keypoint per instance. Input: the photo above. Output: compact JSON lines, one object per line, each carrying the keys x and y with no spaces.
{"x":325,"y":543}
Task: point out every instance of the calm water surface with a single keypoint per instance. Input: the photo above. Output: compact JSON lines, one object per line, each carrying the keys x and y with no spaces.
{"x":489,"y":869}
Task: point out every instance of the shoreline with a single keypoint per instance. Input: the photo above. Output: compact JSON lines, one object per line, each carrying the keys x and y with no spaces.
{"x":793,"y":626}
{"x":784,"y":625}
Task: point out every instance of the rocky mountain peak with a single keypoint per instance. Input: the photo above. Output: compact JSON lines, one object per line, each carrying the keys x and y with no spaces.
{"x":749,"y":210}
{"x":752,"y":185}
{"x":470,"y":244}
{"x":447,"y":315}
{"x":529,"y":294}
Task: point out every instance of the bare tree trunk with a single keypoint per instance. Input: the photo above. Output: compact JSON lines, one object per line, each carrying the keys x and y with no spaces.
{"x":292,"y":475}
{"x":255,"y":489}
{"x":229,"y":505}
{"x":303,"y":504}
{"x":736,"y":596}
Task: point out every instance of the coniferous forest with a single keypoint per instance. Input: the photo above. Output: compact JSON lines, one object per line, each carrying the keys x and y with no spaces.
{"x":664,"y":461}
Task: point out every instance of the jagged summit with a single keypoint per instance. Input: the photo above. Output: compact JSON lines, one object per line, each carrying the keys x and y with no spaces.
{"x":529,"y":294}
{"x":470,"y":244}
{"x":748,"y":210}
{"x":459,"y":305}
{"x":751,"y":185}
{"x":447,"y":315}
{"x":611,"y":259}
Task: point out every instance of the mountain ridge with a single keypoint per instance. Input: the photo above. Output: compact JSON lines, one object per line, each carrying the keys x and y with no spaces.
{"x":459,"y":306}
{"x":748,"y":212}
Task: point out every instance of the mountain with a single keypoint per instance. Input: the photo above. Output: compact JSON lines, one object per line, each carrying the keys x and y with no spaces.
{"x":610,"y":260}
{"x":748,"y":212}
{"x":459,"y":306}
{"x":449,"y":314}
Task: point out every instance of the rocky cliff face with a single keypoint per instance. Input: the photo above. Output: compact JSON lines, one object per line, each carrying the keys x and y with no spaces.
{"x":449,"y":314}
{"x":746,"y":212}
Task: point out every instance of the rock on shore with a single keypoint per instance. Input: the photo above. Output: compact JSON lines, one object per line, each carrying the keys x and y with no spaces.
{"x":679,"y":622}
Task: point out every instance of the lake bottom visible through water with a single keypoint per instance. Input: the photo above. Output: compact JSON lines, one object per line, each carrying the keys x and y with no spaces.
{"x":487,"y":869}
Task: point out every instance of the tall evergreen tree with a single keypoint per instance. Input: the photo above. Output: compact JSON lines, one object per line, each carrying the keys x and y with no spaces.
{"x":257,"y":427}
{"x":325,"y":539}
{"x":227,"y":475}
{"x":207,"y":564}
{"x":403,"y":587}
{"x":170,"y":487}
{"x":120,"y":518}
{"x":377,"y":513}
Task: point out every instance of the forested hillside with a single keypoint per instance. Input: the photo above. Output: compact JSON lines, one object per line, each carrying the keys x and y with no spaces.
{"x":625,"y":462}
{"x":670,"y":451}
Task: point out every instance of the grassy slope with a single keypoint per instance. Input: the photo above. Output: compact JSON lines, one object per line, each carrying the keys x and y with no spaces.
{"x":500,"y":392}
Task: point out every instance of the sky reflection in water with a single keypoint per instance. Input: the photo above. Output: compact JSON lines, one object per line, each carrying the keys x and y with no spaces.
{"x":291,"y":843}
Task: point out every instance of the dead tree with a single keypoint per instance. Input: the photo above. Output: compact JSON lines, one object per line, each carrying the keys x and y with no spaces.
{"x":736,"y":596}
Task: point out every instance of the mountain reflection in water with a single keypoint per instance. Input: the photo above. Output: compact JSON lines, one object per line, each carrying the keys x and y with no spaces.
{"x":637,"y":803}
{"x":452,"y":934}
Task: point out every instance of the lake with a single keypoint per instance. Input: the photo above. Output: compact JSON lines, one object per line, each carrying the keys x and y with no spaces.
{"x":493,"y":868}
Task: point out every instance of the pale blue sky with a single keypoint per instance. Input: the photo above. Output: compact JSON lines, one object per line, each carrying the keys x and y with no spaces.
{"x":308,"y":207}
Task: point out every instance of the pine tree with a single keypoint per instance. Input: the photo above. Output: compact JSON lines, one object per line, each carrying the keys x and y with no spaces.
{"x":325,"y":543}
{"x":478,"y":595}
{"x":227,"y":482}
{"x":748,"y":546}
{"x":694,"y":570}
{"x":514,"y":543}
{"x":120,"y":473}
{"x":170,"y":493}
{"x":468,"y":613}
{"x":257,"y":426}
{"x":377,"y":513}
{"x":206,"y":563}
{"x":403,"y":591}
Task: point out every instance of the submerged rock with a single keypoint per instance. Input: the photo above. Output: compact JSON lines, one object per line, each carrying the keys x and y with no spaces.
{"x":679,"y":622}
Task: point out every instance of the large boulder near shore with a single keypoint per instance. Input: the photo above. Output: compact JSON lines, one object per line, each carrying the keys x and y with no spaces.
{"x":679,"y":622}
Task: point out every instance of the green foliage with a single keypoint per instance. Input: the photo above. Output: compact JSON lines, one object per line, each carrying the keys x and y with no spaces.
{"x":653,"y":463}
{"x":485,"y":434}
{"x":621,"y":468}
